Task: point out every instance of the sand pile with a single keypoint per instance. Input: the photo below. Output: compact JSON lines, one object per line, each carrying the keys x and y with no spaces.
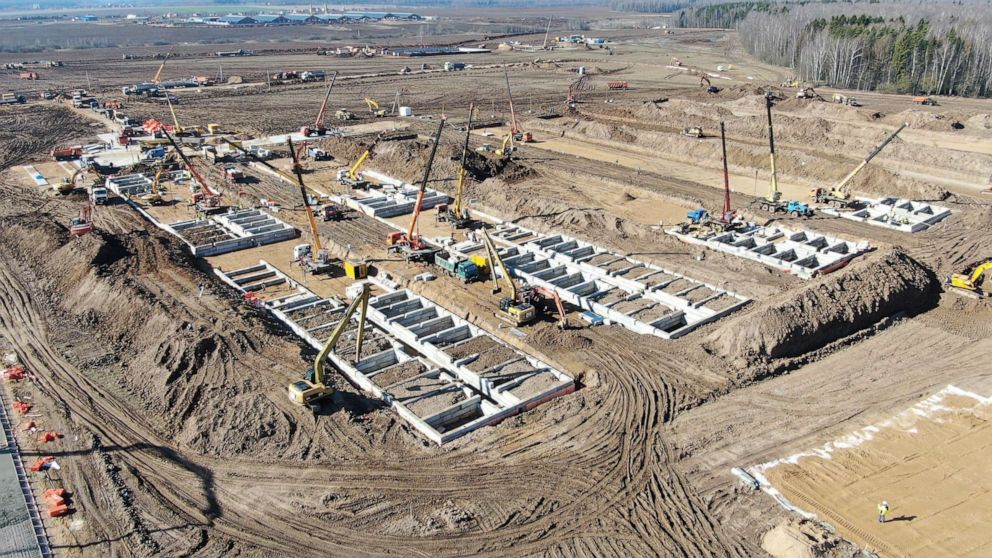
{"x":804,"y":539}
{"x":794,"y":323}
{"x":134,"y":296}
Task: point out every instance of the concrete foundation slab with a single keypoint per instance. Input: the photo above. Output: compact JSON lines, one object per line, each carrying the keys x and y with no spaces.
{"x":129,"y":185}
{"x":235,"y":230}
{"x":800,"y":252}
{"x":442,"y":397}
{"x":895,"y":213}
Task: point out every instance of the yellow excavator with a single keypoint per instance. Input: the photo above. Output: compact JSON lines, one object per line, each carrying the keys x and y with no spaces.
{"x":970,"y":282}
{"x":374,"y":108}
{"x":313,"y":388}
{"x":350,"y":177}
{"x":154,"y":197}
{"x":511,"y":308}
{"x":68,"y":185}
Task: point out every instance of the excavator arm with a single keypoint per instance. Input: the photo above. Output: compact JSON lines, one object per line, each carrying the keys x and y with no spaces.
{"x":353,"y":171}
{"x":298,"y":171}
{"x":496,"y":261}
{"x":549,"y":294}
{"x":362,"y":301}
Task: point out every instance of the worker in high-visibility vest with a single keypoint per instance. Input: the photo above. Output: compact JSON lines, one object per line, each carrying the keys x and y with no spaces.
{"x":883,"y":510}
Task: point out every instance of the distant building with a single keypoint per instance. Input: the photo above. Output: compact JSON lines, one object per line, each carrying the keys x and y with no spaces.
{"x":302,"y":19}
{"x":88,"y":18}
{"x":270,"y":19}
{"x":233,"y":20}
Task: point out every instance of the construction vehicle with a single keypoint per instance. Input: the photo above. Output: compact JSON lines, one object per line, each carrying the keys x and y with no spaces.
{"x":176,"y":128}
{"x":807,"y":93}
{"x":351,"y":177}
{"x":511,"y":308}
{"x":154,"y":197}
{"x":318,"y":154}
{"x":233,"y":173}
{"x":28,"y":75}
{"x":356,"y":270}
{"x":845,"y":100}
{"x":970,"y":282}
{"x":462,"y":268}
{"x":312,"y":257}
{"x":457,"y":215}
{"x":344,"y":114}
{"x":728,"y":220}
{"x":318,"y":127}
{"x":618,"y":85}
{"x":205,"y":198}
{"x":12,"y":99}
{"x":572,"y":100}
{"x":67,"y":153}
{"x":773,"y":203}
{"x":524,"y":304}
{"x":839,"y":196}
{"x":693,"y":131}
{"x":925,"y":100}
{"x":98,"y":194}
{"x":518,"y":135}
{"x":374,"y":108}
{"x":409,"y":243}
{"x":213,"y":129}
{"x":83,"y":223}
{"x":68,"y":184}
{"x":453,"y":66}
{"x":313,"y":389}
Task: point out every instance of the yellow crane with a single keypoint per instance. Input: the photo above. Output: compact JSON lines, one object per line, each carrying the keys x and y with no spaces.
{"x":313,"y":388}
{"x":374,"y":108}
{"x":971,"y":280}
{"x":158,"y":75}
{"x":511,"y":307}
{"x":176,"y":128}
{"x":457,"y":214}
{"x":839,"y":196}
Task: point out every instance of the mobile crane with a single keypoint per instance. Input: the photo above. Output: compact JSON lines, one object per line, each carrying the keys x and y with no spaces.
{"x":328,"y":211}
{"x":839,"y":196}
{"x":773,"y":202}
{"x":970,"y":282}
{"x":313,"y":388}
{"x":318,"y":127}
{"x":456,"y":214}
{"x":350,"y":177}
{"x":701,"y":218}
{"x":206,"y":199}
{"x":521,"y":306}
{"x":517,"y":134}
{"x":410,"y":244}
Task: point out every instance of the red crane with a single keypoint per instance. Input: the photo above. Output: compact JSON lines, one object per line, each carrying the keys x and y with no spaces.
{"x":728,"y":214}
{"x":318,"y":126}
{"x":409,"y":242}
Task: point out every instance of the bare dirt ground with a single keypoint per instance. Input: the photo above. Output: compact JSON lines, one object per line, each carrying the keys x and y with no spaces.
{"x":180,"y":439}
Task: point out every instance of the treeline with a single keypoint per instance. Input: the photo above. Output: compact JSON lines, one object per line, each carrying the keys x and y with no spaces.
{"x":936,"y":48}
{"x":649,"y":6}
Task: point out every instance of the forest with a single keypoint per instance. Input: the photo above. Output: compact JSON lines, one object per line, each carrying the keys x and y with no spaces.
{"x":939,"y":48}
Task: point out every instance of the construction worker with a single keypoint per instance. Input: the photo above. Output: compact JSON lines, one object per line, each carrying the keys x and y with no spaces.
{"x":883,"y":510}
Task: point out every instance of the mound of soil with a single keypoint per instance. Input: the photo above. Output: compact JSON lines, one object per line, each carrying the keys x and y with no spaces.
{"x":797,"y":322}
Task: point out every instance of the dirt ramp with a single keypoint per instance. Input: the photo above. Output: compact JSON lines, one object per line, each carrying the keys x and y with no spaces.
{"x":797,"y":322}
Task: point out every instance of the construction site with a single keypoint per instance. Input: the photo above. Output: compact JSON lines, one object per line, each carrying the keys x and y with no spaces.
{"x":626,"y":293}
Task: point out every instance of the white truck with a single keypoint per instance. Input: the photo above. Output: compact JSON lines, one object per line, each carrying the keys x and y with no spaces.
{"x":99,"y":195}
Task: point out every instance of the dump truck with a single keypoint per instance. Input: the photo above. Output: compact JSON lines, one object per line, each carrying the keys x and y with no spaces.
{"x":12,"y":99}
{"x":453,"y":66}
{"x":99,"y":194}
{"x":458,"y":267}
{"x":67,"y":153}
{"x":925,"y":100}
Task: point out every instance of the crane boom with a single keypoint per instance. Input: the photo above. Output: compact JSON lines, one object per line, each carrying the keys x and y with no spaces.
{"x":189,"y":166}
{"x":423,"y":183}
{"x":319,"y":123}
{"x":513,"y":114}
{"x":158,"y":74}
{"x":773,"y":195}
{"x":298,"y":171}
{"x":840,"y":185}
{"x":462,"y":171}
{"x":175,"y":120}
{"x":727,"y":212}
